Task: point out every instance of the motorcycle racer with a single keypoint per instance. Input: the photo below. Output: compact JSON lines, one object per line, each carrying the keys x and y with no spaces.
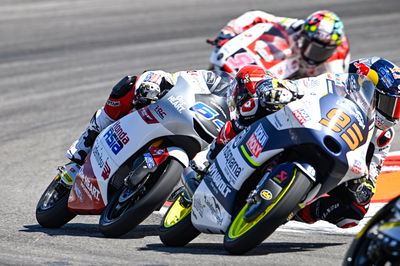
{"x":134,"y":92}
{"x":255,"y":93}
{"x":318,"y":42}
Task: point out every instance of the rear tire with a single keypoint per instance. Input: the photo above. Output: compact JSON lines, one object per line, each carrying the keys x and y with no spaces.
{"x":52,"y":209}
{"x":242,"y":236}
{"x":114,"y":223}
{"x":176,"y":229}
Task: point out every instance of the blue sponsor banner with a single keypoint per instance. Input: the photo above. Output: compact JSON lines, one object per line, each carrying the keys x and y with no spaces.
{"x":220,"y":187}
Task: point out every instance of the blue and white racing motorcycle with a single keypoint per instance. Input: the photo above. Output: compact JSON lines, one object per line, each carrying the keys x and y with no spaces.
{"x":278,"y":164}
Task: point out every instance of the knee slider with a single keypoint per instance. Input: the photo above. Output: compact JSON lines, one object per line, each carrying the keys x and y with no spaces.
{"x":123,"y":87}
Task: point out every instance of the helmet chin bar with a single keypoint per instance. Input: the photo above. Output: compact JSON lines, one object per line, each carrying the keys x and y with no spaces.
{"x":313,"y":52}
{"x":383,"y":122}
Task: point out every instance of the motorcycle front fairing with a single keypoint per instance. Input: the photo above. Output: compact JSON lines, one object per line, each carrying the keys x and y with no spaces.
{"x":169,"y":117}
{"x":112,"y":148}
{"x":326,"y":130}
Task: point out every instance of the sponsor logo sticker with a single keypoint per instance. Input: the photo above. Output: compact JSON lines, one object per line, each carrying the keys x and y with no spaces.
{"x":257,"y":140}
{"x":301,"y":116}
{"x":266,"y":194}
{"x":116,"y":138}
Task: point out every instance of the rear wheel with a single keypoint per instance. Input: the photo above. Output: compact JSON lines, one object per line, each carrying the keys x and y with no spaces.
{"x":52,"y":209}
{"x":176,"y":228}
{"x":129,"y":207}
{"x":243,"y":236}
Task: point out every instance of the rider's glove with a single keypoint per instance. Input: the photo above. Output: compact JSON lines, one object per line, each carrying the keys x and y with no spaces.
{"x":362,"y":189}
{"x":222,"y":38}
{"x":147,"y":92}
{"x":272,"y":96}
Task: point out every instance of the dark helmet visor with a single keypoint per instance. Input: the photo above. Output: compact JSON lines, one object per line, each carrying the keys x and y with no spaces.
{"x":316,"y":53}
{"x":389,"y":106}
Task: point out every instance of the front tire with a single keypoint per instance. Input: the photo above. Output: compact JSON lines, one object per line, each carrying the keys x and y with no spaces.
{"x":176,"y":229}
{"x":243,"y":236}
{"x":52,"y":209}
{"x":118,"y":218}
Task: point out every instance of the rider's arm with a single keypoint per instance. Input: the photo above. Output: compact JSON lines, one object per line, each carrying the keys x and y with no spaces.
{"x":380,"y":146}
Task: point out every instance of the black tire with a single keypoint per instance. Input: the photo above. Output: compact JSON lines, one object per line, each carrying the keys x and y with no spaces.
{"x":180,"y":233}
{"x":159,"y":185}
{"x":52,"y":209}
{"x":276,"y":216}
{"x":357,"y":252}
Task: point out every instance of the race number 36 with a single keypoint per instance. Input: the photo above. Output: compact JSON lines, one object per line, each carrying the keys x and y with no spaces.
{"x":338,"y":121}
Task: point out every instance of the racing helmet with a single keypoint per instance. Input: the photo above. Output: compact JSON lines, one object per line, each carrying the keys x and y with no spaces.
{"x":243,"y":87}
{"x":386,"y":77}
{"x":321,"y":35}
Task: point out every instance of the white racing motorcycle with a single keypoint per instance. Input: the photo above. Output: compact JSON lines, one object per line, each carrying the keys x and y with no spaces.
{"x":277,"y":165}
{"x":265,"y":44}
{"x":136,"y":161}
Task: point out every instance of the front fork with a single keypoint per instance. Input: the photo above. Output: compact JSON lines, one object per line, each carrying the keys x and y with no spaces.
{"x":145,"y":164}
{"x":272,"y":184}
{"x":149,"y":161}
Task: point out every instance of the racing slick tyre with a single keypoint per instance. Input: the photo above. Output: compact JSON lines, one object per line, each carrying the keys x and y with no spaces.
{"x":176,"y":228}
{"x":128,"y":208}
{"x":52,"y":209}
{"x":243,"y":236}
{"x":375,"y":244}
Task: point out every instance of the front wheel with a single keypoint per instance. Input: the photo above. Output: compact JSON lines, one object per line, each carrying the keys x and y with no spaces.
{"x":176,"y":228}
{"x":243,"y":236}
{"x":374,"y":244}
{"x":128,"y":207}
{"x":52,"y":209}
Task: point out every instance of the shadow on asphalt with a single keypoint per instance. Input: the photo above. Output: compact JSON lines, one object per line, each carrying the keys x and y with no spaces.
{"x":91,"y":230}
{"x":218,"y":249}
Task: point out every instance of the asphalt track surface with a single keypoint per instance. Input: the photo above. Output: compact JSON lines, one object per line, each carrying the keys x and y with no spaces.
{"x":58,"y":61}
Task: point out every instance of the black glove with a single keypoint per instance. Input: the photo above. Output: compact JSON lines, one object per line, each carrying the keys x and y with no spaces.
{"x":362,"y":189}
{"x":221,"y":39}
{"x":147,"y":92}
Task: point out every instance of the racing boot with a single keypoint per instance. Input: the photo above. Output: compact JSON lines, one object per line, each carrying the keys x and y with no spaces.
{"x":306,"y":215}
{"x":81,"y":147}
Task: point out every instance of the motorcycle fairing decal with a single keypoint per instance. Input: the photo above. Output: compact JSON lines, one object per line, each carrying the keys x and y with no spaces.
{"x":204,"y":110}
{"x":220,"y":187}
{"x":116,"y":138}
{"x":211,"y":115}
{"x":103,"y":167}
{"x":147,"y":116}
{"x":242,"y":40}
{"x":85,"y":196}
{"x":301,"y":115}
{"x":254,"y":147}
{"x":208,"y":215}
{"x":348,"y":121}
{"x":255,"y":144}
{"x":158,"y":155}
{"x":248,"y":157}
{"x":178,"y":102}
{"x":218,"y":123}
{"x":239,"y":59}
{"x":233,"y":166}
